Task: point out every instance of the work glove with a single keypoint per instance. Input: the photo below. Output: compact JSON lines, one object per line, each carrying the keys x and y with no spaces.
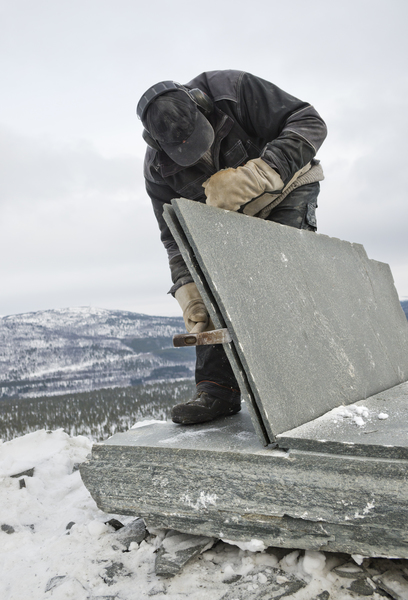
{"x":194,"y":312}
{"x":246,"y":189}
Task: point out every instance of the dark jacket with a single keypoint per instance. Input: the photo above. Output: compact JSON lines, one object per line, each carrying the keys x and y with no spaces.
{"x":252,"y":118}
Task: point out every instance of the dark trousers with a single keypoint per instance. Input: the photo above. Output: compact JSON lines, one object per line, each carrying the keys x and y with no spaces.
{"x":213,"y":370}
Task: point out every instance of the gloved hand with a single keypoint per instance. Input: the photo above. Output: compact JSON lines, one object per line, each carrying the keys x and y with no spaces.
{"x":193,"y":307}
{"x":241,"y":188}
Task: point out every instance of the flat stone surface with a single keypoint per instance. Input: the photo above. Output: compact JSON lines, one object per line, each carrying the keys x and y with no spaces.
{"x":218,"y":320}
{"x":376,"y":427}
{"x":232,"y":435}
{"x":133,"y":532}
{"x":394,"y":583}
{"x":218,"y":480}
{"x":314,"y":322}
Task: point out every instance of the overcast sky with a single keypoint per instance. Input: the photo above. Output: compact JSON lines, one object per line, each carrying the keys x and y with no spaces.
{"x":76,"y":226}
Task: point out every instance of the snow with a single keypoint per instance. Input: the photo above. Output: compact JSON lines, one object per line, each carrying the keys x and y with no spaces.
{"x":355,"y":414}
{"x":56,"y":544}
{"x":147,"y":422}
{"x":252,"y":546}
{"x":52,"y":352}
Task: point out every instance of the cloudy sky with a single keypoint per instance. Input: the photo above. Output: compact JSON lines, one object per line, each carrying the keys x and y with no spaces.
{"x":76,"y":227}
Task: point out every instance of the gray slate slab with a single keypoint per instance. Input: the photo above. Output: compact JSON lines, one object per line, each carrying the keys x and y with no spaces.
{"x":314,"y":322}
{"x":394,"y":583}
{"x":177,"y":550}
{"x":375,"y":427}
{"x":315,"y":325}
{"x":133,"y":532}
{"x":265,"y":584}
{"x":218,"y":320}
{"x":218,"y":480}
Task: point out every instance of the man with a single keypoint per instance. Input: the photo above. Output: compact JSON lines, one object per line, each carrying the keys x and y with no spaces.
{"x":236,"y":142}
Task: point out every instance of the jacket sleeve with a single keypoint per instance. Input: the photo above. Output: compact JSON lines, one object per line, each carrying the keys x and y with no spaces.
{"x":295,"y":129}
{"x":161,"y":195}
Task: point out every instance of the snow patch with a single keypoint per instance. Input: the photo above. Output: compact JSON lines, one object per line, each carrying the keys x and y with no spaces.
{"x":313,"y":562}
{"x":147,"y":422}
{"x":55,"y":543}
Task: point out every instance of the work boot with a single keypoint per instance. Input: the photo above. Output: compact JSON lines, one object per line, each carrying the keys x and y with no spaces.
{"x":204,"y":407}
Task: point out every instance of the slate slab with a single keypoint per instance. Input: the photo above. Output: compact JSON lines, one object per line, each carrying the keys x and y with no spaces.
{"x":218,"y":320}
{"x":177,"y":550}
{"x":265,"y":584}
{"x":394,"y":583}
{"x":315,"y":323}
{"x":133,"y":532}
{"x":363,"y":587}
{"x":375,"y":427}
{"x":218,"y":480}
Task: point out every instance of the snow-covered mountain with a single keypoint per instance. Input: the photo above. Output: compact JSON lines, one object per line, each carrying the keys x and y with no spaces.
{"x":82,"y":349}
{"x":79,"y":349}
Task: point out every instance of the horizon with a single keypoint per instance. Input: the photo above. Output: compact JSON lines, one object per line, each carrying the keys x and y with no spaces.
{"x":67,"y":308}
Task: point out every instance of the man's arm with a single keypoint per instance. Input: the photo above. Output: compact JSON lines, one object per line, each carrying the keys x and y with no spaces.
{"x":291,"y":131}
{"x":294,"y":128}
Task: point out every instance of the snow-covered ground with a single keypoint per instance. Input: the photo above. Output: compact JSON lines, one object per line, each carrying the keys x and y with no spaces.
{"x":53,"y":352}
{"x":55,"y":544}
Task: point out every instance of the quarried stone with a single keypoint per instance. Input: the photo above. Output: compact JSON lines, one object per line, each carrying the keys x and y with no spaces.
{"x":178,"y":549}
{"x":315,"y":323}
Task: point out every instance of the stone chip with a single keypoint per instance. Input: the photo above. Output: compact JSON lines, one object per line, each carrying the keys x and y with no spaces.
{"x":177,"y":550}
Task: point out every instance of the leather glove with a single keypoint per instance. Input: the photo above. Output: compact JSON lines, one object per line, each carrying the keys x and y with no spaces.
{"x":194,"y":312}
{"x":242,"y":189}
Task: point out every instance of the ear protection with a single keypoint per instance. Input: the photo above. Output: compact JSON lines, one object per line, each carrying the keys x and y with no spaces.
{"x":202,"y":100}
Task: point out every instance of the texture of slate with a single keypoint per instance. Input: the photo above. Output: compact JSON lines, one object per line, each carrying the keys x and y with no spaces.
{"x":177,"y":550}
{"x":133,"y":532}
{"x":261,"y":584}
{"x":375,"y":427}
{"x":218,"y":320}
{"x":217,"y":480}
{"x":315,"y":323}
{"x":394,"y":583}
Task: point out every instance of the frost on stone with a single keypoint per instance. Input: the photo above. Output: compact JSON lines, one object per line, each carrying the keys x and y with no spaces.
{"x":394,"y":583}
{"x":252,"y":546}
{"x":203,"y":500}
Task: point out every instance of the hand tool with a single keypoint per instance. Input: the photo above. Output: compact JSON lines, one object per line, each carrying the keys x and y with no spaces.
{"x":197,"y":337}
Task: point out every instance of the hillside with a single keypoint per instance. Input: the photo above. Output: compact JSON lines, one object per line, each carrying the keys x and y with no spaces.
{"x":97,"y":414}
{"x":81,"y":349}
{"x":77,"y":350}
